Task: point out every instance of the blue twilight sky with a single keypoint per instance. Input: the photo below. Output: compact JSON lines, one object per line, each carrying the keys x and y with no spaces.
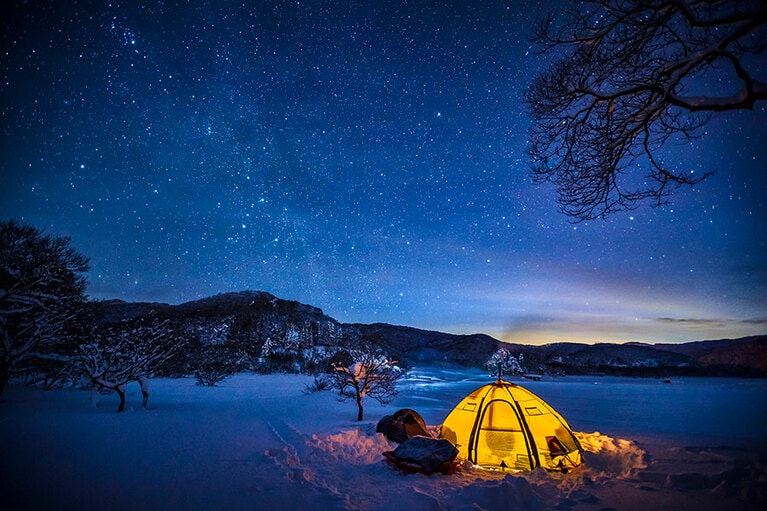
{"x":365,"y":157}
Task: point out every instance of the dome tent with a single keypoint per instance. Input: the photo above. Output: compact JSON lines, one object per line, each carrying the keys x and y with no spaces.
{"x":402,"y":425}
{"x":503,"y":425}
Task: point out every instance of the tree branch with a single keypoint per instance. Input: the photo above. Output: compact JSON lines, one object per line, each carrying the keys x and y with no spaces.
{"x":618,"y":96}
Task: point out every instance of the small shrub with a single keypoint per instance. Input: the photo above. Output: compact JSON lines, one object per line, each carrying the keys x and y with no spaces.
{"x":321,"y":382}
{"x":215,"y":363}
{"x":210,"y":376}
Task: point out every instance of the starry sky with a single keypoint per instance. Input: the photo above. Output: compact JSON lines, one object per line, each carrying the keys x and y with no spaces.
{"x":365,"y":157}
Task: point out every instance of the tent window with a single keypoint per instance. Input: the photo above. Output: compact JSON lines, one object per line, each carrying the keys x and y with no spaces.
{"x":555,"y":446}
{"x":533,"y":410}
{"x":470,"y":407}
{"x":500,"y":416}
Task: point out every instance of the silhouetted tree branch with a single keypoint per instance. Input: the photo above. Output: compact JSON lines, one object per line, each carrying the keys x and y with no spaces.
{"x":622,"y":87}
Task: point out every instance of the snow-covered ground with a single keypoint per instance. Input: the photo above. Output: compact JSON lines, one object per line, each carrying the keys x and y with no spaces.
{"x":260,"y":442}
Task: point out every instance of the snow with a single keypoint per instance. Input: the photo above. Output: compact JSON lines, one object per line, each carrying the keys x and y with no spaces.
{"x":261,"y":442}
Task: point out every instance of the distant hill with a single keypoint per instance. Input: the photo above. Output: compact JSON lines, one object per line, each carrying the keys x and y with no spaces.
{"x":276,"y":334}
{"x":745,"y":352}
{"x":415,"y":346}
{"x":239,"y":303}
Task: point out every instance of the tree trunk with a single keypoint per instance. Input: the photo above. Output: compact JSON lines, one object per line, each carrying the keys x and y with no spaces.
{"x":144,"y":382}
{"x":121,"y":393}
{"x":359,"y":408}
{"x":5,"y":375}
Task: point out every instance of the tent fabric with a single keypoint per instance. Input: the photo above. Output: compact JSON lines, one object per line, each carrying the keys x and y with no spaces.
{"x":503,"y":425}
{"x":401,"y":425}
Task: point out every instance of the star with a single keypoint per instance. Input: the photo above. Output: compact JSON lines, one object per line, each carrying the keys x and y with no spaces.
{"x":350,"y":158}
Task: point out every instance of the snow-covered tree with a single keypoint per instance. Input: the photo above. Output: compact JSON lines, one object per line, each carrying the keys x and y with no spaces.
{"x":218,"y":332}
{"x":119,"y":353}
{"x":630,"y":76}
{"x":509,"y":364}
{"x":371,"y":374}
{"x":41,"y":291}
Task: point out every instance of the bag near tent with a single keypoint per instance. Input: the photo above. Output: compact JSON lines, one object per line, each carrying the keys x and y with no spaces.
{"x":418,"y":451}
{"x":424,"y":454}
{"x":503,"y":425}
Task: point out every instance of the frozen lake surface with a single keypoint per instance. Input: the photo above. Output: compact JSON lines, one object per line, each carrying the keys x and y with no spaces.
{"x":725,"y":412}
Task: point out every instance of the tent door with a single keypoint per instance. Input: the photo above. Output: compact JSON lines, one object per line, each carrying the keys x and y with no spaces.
{"x":500,"y":439}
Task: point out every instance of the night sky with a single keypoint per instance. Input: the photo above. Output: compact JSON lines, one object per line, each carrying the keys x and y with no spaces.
{"x":365,"y":157}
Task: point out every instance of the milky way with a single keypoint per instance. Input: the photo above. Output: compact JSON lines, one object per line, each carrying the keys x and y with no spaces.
{"x":365,"y":157}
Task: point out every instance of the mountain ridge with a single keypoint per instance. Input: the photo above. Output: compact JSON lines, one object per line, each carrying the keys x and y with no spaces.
{"x":259,"y":322}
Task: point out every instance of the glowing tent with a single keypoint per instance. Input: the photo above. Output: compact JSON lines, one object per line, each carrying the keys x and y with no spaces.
{"x":503,"y":425}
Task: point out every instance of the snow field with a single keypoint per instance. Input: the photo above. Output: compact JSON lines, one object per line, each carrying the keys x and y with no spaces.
{"x":260,"y":442}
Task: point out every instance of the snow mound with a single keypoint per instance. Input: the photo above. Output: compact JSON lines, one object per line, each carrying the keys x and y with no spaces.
{"x":608,"y":457}
{"x":353,"y":446}
{"x":508,"y":493}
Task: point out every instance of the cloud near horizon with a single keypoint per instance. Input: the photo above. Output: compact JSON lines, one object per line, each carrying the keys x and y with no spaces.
{"x":598,"y":307}
{"x":592,"y":329}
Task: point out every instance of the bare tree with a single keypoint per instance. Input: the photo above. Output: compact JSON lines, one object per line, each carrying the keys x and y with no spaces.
{"x":119,"y":353}
{"x":626,"y":82}
{"x":41,"y":291}
{"x":371,"y":374}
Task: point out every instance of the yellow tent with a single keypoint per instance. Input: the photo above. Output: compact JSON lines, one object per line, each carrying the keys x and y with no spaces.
{"x":503,"y":425}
